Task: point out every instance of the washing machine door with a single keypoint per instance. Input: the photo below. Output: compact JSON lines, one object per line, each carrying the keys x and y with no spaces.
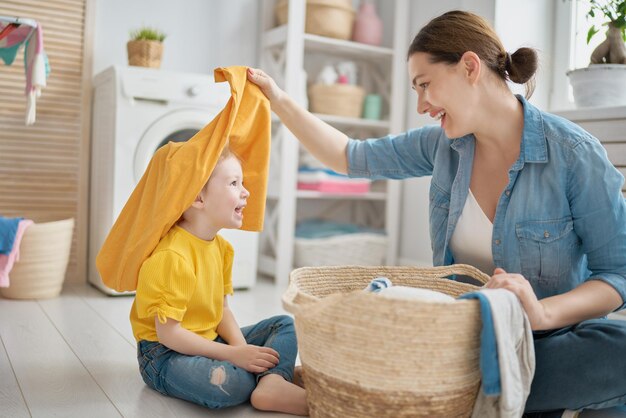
{"x":178,"y":126}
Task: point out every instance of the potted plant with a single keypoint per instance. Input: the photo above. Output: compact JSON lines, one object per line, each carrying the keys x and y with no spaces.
{"x":145,"y":47}
{"x":603,"y":82}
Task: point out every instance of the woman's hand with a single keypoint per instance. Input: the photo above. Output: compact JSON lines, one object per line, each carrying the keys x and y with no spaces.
{"x":266,"y":84}
{"x":516,"y":283}
{"x":253,"y":358}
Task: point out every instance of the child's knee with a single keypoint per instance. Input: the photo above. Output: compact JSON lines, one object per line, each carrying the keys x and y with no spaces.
{"x":283,"y":321}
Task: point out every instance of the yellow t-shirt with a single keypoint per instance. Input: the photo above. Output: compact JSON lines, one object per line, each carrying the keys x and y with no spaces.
{"x":185,"y":279}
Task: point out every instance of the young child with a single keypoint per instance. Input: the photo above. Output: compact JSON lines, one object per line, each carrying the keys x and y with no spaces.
{"x":189,"y":343}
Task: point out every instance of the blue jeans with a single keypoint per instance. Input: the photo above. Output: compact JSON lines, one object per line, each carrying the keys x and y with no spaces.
{"x":212,"y":383}
{"x":580,"y":367}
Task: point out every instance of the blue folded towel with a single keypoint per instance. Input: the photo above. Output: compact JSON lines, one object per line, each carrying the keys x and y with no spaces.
{"x":8,"y":229}
{"x":489,"y":367}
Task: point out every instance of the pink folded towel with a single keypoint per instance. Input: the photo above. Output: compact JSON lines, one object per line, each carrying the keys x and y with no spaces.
{"x":7,"y":260}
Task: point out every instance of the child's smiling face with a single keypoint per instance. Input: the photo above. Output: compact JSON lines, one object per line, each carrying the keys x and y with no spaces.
{"x":225,"y":196}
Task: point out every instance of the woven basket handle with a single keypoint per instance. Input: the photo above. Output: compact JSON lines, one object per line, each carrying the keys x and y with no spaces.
{"x":463,"y":269}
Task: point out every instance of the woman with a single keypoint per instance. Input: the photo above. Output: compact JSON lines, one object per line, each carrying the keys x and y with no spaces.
{"x":526,"y":196}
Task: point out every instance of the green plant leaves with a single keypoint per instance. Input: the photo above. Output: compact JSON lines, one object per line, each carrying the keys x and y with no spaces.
{"x":147,"y":34}
{"x":592,"y":31}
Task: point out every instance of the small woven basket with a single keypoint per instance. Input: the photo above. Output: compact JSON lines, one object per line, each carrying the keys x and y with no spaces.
{"x":362,"y":249}
{"x":332,"y":18}
{"x":145,"y":53}
{"x":366,"y":355}
{"x":44,"y":255}
{"x":336,"y":99}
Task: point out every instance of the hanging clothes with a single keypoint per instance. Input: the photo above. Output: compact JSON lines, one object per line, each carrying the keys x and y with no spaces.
{"x":15,"y":32}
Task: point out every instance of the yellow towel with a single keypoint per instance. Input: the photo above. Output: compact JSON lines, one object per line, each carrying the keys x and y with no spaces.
{"x":177,"y":173}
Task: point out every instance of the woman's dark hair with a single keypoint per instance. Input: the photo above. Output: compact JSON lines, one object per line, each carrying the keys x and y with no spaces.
{"x":447,"y":37}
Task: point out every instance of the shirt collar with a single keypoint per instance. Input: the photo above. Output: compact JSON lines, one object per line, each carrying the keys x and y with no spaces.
{"x":534,"y":147}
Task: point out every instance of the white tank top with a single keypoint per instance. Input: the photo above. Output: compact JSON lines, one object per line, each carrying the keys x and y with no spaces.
{"x":471,"y":240}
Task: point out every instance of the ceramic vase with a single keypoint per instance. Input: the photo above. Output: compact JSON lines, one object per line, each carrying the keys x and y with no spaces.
{"x":368,"y":28}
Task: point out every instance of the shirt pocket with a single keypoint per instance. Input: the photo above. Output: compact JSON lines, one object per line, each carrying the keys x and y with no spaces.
{"x":546,"y":250}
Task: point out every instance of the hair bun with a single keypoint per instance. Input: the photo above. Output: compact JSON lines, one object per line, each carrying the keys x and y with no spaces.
{"x":522,"y":65}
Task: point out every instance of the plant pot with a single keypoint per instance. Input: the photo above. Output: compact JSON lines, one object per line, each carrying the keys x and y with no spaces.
{"x":599,"y":85}
{"x":145,"y":53}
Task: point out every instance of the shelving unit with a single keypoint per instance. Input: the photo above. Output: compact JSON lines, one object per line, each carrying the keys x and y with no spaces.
{"x":287,"y":52}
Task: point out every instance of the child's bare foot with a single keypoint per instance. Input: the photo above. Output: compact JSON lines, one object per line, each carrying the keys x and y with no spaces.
{"x":273,"y":393}
{"x":297,"y":376}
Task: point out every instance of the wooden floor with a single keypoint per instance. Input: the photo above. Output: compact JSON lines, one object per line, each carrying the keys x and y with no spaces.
{"x":75,"y":356}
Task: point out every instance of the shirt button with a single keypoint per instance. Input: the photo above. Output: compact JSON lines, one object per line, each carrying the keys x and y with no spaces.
{"x":546,"y":234}
{"x":497,"y":242}
{"x":508,"y":193}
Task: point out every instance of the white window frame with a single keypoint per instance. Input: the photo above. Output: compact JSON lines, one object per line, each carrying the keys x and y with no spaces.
{"x":564,"y":52}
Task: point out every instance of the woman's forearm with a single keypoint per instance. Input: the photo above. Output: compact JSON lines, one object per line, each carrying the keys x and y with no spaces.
{"x":592,"y":299}
{"x":326,"y":143}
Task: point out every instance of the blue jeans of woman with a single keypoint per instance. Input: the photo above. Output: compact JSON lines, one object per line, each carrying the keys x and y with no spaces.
{"x":212,"y":383}
{"x":580,"y":367}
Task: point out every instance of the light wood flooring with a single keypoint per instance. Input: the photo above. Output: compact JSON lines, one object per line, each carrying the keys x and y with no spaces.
{"x":75,"y":356}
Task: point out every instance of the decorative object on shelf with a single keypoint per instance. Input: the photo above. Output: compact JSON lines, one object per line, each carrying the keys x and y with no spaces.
{"x":434,"y":370}
{"x":348,"y":70}
{"x":327,"y":181}
{"x":14,"y":32}
{"x":336,"y":99}
{"x":368,"y":28}
{"x":145,"y":47}
{"x":332,"y":18}
{"x":372,"y":106}
{"x":603,"y":82}
{"x":44,"y":256}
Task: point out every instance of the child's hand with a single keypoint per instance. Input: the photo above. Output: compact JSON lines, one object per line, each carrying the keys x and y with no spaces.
{"x":253,"y":358}
{"x":266,"y":84}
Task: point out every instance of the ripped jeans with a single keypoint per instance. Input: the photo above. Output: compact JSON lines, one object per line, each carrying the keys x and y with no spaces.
{"x":212,"y":383}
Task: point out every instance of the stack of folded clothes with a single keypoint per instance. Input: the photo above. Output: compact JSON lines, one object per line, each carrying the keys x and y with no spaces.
{"x":327,"y":181}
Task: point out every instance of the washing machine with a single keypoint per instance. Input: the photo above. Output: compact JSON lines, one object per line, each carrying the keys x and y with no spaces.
{"x":135,"y":111}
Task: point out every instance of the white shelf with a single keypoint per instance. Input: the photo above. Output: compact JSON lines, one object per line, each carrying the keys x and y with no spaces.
{"x":346,"y":122}
{"x":277,"y":37}
{"x":593,"y":113}
{"x":310,"y":194}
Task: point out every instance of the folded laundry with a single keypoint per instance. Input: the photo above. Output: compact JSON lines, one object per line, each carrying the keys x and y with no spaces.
{"x":328,"y":181}
{"x":7,"y":260}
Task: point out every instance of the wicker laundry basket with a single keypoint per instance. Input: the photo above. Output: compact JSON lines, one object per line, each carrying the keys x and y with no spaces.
{"x":363,"y":249}
{"x":368,"y":356}
{"x":332,"y":18}
{"x":44,"y":255}
{"x":337,"y":99}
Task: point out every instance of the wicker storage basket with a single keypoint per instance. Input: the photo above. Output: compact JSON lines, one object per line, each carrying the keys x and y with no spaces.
{"x":332,"y":18}
{"x":364,"y":249}
{"x":145,"y":53}
{"x":44,"y":254}
{"x":366,"y":355}
{"x":336,"y":99}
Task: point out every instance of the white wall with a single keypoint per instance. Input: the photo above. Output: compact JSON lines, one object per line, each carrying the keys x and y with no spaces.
{"x":526,"y":23}
{"x":201,"y":34}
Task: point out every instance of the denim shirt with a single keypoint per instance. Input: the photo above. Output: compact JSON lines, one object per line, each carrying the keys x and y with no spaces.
{"x":561,"y":219}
